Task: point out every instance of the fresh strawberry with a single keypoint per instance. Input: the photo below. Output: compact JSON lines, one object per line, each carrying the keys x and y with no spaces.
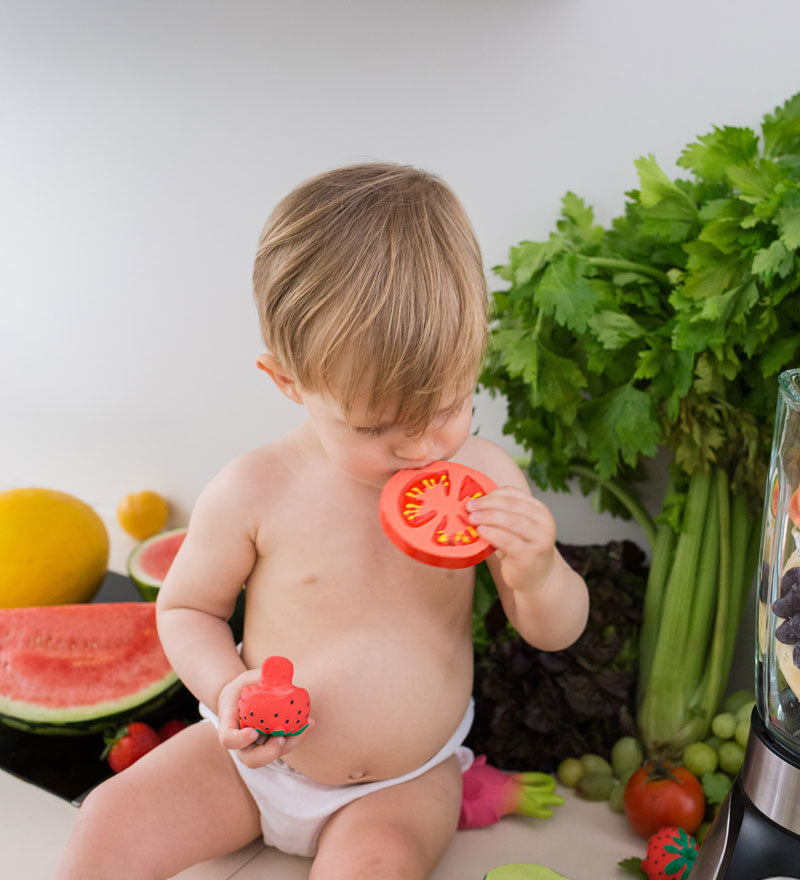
{"x":490,"y":793}
{"x":170,"y":729}
{"x":128,"y":744}
{"x":274,"y":706}
{"x":670,"y":854}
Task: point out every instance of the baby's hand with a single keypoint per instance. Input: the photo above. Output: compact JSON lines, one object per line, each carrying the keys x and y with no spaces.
{"x":523,"y":531}
{"x":254,"y":749}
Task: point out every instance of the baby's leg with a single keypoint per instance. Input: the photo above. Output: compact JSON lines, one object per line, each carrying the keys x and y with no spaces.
{"x":180,"y":804}
{"x":399,"y":832}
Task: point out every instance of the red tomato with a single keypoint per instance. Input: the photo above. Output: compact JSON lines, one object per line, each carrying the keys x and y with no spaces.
{"x":659,"y":795}
{"x":423,"y":512}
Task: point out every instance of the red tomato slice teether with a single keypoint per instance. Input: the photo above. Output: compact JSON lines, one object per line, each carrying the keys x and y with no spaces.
{"x":423,"y":512}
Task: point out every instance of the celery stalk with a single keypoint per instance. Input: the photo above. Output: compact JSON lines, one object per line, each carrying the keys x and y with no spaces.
{"x":742,"y":528}
{"x":663,"y":708}
{"x":714,"y":681}
{"x":653,"y":599}
{"x":741,"y":524}
{"x":663,"y":548}
{"x":627,"y":266}
{"x":745,"y":547}
{"x":704,"y":602}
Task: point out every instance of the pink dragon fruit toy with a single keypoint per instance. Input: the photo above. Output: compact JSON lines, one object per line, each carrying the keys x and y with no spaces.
{"x":490,"y":793}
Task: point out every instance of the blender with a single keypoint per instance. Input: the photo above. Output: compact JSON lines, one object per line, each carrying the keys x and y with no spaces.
{"x":756,"y":835}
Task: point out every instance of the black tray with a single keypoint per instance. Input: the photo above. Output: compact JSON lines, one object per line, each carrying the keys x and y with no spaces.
{"x":70,"y":766}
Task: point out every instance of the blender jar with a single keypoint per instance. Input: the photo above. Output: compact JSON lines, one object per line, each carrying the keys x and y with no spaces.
{"x":756,"y":834}
{"x":778,"y":617}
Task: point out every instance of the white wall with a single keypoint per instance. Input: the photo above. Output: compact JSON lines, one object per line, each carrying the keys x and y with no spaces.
{"x":144,"y":143}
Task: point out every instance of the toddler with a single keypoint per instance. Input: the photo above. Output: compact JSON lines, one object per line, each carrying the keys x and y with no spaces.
{"x":372,"y":300}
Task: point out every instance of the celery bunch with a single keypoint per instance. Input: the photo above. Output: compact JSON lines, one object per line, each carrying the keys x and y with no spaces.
{"x":667,"y":328}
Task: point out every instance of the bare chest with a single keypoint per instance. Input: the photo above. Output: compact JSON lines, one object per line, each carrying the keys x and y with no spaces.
{"x":371,"y":632}
{"x":329,"y":563}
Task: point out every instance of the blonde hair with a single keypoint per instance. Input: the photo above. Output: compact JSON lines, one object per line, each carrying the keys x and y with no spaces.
{"x":374,"y":267}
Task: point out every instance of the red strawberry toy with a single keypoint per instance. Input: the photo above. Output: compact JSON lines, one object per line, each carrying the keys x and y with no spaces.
{"x":670,"y":854}
{"x":274,"y":706}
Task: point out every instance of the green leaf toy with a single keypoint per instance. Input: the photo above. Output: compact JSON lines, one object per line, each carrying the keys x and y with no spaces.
{"x":521,"y":871}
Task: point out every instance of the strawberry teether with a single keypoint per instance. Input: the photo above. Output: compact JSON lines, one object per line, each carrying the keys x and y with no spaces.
{"x":274,"y":706}
{"x":423,"y":512}
{"x":670,"y":854}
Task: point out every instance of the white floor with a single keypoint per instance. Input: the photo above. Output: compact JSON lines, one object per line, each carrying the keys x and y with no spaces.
{"x":582,"y":841}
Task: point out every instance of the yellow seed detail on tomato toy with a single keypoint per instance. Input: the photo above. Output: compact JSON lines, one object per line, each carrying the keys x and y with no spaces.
{"x":423,"y":500}
{"x":423,"y":512}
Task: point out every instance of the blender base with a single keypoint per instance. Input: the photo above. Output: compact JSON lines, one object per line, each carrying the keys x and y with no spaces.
{"x":756,"y":835}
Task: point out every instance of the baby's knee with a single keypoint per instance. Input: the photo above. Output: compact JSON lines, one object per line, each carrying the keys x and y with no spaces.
{"x":381,"y":853}
{"x":104,"y":836}
{"x":107,"y":804}
{"x":394,"y":852}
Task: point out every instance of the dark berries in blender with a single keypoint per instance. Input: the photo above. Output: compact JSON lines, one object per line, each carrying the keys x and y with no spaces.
{"x":788,"y":605}
{"x":790,"y":580}
{"x":763,"y":583}
{"x":789,"y":631}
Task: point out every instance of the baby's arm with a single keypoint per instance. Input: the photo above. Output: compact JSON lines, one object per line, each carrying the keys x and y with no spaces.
{"x":200,"y":590}
{"x":198,"y":597}
{"x":545,"y":599}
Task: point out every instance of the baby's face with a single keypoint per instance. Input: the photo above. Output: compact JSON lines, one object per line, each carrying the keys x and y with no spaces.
{"x":371,"y":451}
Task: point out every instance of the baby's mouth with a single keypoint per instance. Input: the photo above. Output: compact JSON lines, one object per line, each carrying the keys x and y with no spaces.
{"x":421,"y":467}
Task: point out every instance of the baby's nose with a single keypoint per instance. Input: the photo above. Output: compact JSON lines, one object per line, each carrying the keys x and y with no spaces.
{"x":414,"y":449}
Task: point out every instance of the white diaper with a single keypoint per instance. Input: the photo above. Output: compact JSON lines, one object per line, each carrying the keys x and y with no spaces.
{"x":294,"y":809}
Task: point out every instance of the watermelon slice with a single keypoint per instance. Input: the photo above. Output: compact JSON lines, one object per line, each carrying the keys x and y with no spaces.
{"x":75,"y":669}
{"x":149,"y":561}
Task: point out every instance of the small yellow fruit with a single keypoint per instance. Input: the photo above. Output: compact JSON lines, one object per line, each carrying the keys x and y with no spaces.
{"x":143,"y":514}
{"x":53,"y":549}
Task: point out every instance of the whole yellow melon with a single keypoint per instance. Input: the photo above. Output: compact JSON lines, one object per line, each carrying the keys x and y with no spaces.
{"x":53,"y":549}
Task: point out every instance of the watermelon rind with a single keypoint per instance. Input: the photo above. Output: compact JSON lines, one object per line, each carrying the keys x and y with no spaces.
{"x":147,"y":585}
{"x":81,"y":720}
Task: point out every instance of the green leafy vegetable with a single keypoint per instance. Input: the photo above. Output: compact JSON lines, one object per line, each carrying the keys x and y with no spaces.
{"x":667,"y":328}
{"x":535,"y":708}
{"x":633,"y":866}
{"x":716,"y":787}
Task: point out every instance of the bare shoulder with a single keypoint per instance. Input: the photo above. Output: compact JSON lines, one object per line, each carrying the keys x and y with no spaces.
{"x":256,"y":468}
{"x":249,"y":484}
{"x":492,"y":460}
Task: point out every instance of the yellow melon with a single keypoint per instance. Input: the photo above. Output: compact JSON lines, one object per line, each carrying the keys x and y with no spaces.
{"x":53,"y":549}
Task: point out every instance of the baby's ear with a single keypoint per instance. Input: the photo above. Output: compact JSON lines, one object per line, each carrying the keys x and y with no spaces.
{"x":285,"y":382}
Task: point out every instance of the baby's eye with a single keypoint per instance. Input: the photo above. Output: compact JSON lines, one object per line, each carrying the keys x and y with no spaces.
{"x":449,"y":414}
{"x":370,"y":432}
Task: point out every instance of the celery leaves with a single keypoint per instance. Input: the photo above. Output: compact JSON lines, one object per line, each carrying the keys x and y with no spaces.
{"x":665,"y":328}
